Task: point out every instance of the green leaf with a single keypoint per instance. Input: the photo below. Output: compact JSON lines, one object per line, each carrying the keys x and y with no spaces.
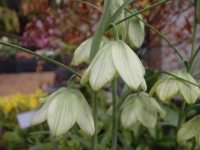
{"x":171,"y":117}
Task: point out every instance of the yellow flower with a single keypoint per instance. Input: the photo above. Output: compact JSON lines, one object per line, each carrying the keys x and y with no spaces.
{"x":20,"y":101}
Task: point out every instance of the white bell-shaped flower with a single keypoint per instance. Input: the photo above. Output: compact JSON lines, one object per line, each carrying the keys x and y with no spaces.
{"x":142,"y":108}
{"x":170,"y":86}
{"x":62,"y":109}
{"x":189,"y":130}
{"x":136,"y":32}
{"x":115,"y":57}
{"x":82,"y":52}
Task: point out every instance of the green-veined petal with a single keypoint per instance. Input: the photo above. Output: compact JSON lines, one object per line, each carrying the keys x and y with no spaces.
{"x":167,"y":89}
{"x":103,"y":69}
{"x":82,"y":52}
{"x":127,"y":64}
{"x":145,"y":114}
{"x":128,"y":116}
{"x":84,"y":113}
{"x":189,"y":129}
{"x":62,"y":113}
{"x":136,"y":32}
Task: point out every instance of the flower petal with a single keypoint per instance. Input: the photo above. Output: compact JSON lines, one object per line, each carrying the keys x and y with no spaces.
{"x":41,"y":115}
{"x":62,"y":113}
{"x":128,"y":116}
{"x":103,"y":69}
{"x":189,"y":91}
{"x":86,"y":75}
{"x":160,"y":110}
{"x":84,"y":113}
{"x":127,"y":64}
{"x":189,"y":129}
{"x":145,"y":113}
{"x":166,"y":89}
{"x":136,"y":32}
{"x":143,"y":85}
{"x":82,"y":53}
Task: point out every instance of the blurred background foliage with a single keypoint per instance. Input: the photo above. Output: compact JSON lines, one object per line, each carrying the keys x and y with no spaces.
{"x":54,"y":28}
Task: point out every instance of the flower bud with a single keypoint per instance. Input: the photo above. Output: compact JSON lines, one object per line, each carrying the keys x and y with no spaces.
{"x":62,"y":109}
{"x":136,"y":31}
{"x":140,"y":107}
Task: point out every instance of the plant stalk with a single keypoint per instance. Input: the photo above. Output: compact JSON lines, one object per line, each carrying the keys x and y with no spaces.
{"x":66,"y":68}
{"x":194,"y":36}
{"x":95,"y":116}
{"x":143,"y":10}
{"x":115,"y":115}
{"x":100,"y":29}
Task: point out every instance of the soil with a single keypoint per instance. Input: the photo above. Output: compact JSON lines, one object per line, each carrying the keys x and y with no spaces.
{"x":25,"y":82}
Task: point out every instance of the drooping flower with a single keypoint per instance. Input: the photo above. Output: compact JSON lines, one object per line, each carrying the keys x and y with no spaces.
{"x":82,"y":52}
{"x":142,"y":108}
{"x":62,"y":109}
{"x":115,"y":5}
{"x":136,"y":31}
{"x":171,"y":86}
{"x":189,"y":130}
{"x":115,"y":57}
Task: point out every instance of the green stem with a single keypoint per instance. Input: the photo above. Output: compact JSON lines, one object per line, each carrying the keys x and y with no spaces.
{"x":66,"y":68}
{"x":179,"y":78}
{"x":120,"y":9}
{"x":192,"y":59}
{"x":115,"y":32}
{"x":194,"y":36}
{"x":115,"y":115}
{"x":100,"y":30}
{"x":180,"y":120}
{"x":123,"y":97}
{"x":95,"y":116}
{"x":143,"y":10}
